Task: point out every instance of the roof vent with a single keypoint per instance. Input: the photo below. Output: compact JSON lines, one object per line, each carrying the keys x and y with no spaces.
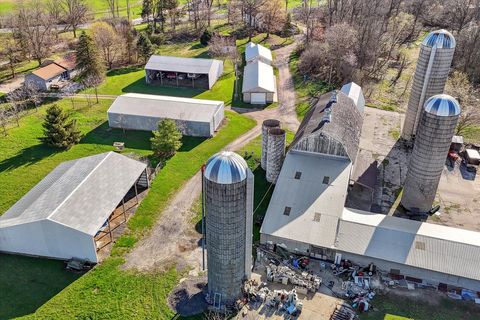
{"x":327,"y":115}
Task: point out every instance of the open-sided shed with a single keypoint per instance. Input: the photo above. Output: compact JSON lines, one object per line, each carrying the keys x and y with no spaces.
{"x":61,"y":216}
{"x":194,"y":117}
{"x":183,"y":72}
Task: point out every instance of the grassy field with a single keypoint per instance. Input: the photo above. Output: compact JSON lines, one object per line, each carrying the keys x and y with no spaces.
{"x":99,"y":8}
{"x":392,"y":307}
{"x":107,"y":291}
{"x":132,"y":79}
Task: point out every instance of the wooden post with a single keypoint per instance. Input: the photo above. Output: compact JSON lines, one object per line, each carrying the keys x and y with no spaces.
{"x":176,"y":77}
{"x":109,"y":229}
{"x":161,"y":78}
{"x":123,"y":206}
{"x":136,"y":192}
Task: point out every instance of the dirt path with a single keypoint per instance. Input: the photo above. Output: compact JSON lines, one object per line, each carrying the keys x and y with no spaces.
{"x":173,"y":240}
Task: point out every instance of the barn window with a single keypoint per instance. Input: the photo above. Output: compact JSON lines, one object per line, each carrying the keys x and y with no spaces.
{"x":419,"y":245}
{"x":326,"y":180}
{"x":287,"y":210}
{"x":317,"y":216}
{"x":298,"y":175}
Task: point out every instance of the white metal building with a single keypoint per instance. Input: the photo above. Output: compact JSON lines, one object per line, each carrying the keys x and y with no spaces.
{"x":257,"y":52}
{"x":307,"y":211}
{"x":195,"y":117}
{"x":60,"y":216}
{"x":184,"y":72}
{"x":259,"y":83}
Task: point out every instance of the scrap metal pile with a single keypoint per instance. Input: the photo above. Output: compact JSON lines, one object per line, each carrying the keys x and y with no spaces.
{"x":281,"y":300}
{"x":303,"y":281}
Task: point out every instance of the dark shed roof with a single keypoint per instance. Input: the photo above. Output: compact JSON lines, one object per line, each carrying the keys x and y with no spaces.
{"x":345,"y":124}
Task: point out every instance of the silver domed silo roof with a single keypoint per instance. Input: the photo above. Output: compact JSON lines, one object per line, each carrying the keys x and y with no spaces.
{"x":441,"y":38}
{"x":226,"y":167}
{"x":442,"y":105}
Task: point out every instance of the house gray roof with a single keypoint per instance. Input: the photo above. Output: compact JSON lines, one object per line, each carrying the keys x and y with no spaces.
{"x":344,"y":124}
{"x":80,"y":194}
{"x":184,"y":65}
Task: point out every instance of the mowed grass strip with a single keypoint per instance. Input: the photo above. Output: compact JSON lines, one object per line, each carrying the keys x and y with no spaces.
{"x":107,"y":292}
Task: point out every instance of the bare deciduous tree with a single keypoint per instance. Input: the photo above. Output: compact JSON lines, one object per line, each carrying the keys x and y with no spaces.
{"x":35,"y":27}
{"x":12,"y":53}
{"x":107,"y":41}
{"x":76,"y":13}
{"x":460,"y":87}
{"x":273,"y":16}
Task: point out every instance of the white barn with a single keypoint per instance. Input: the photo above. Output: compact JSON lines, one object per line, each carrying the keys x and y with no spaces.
{"x":60,"y":217}
{"x":257,"y":52}
{"x":259,"y":83}
{"x":195,"y":117}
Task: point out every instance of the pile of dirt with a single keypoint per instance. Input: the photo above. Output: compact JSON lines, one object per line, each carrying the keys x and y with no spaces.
{"x":188,"y":298}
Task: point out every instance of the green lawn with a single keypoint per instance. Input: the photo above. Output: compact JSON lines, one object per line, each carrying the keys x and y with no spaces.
{"x":132,"y":79}
{"x":99,"y":8}
{"x":107,"y":291}
{"x":393,"y":307}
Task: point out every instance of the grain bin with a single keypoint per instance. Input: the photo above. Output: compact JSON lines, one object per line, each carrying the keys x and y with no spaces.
{"x":432,"y":142}
{"x":275,"y":153}
{"x":267,"y":125}
{"x":433,"y":66}
{"x":228,"y":185}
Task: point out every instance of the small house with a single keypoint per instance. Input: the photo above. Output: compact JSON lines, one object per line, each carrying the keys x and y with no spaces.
{"x":256,"y":52}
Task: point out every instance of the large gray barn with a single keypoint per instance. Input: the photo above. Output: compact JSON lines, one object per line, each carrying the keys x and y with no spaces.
{"x":195,"y":117}
{"x":66,"y":214}
{"x":183,"y":72}
{"x":307,"y":210}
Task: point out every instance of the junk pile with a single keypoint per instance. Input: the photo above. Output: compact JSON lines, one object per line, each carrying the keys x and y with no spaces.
{"x":303,"y":281}
{"x":343,"y":312}
{"x":281,"y":300}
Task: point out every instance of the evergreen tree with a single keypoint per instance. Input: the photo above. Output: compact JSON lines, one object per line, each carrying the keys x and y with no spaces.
{"x":58,"y":130}
{"x":144,"y":47}
{"x":89,"y":61}
{"x":167,"y":139}
{"x":205,"y":37}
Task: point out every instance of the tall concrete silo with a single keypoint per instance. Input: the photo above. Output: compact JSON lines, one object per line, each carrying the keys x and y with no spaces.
{"x":433,"y":66}
{"x":432,"y":142}
{"x":228,"y":187}
{"x":267,"y":125}
{"x":275,"y":153}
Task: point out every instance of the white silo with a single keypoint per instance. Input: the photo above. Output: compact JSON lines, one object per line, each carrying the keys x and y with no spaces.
{"x":228,"y":196}
{"x":275,"y":153}
{"x":431,"y":73}
{"x":432,"y":142}
{"x":267,"y":125}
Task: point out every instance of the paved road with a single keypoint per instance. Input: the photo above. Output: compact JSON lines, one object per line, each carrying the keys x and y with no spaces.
{"x":173,"y":240}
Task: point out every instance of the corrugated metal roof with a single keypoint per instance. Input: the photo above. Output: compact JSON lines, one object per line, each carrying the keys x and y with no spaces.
{"x":354,"y":92}
{"x":184,"y":65}
{"x":315,"y":206}
{"x":345,"y":123}
{"x":226,"y":167}
{"x":254,"y":50}
{"x":419,"y":244}
{"x":165,"y":107}
{"x":80,"y":194}
{"x":440,"y":38}
{"x":442,"y":105}
{"x":49,"y":71}
{"x":258,"y":77}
